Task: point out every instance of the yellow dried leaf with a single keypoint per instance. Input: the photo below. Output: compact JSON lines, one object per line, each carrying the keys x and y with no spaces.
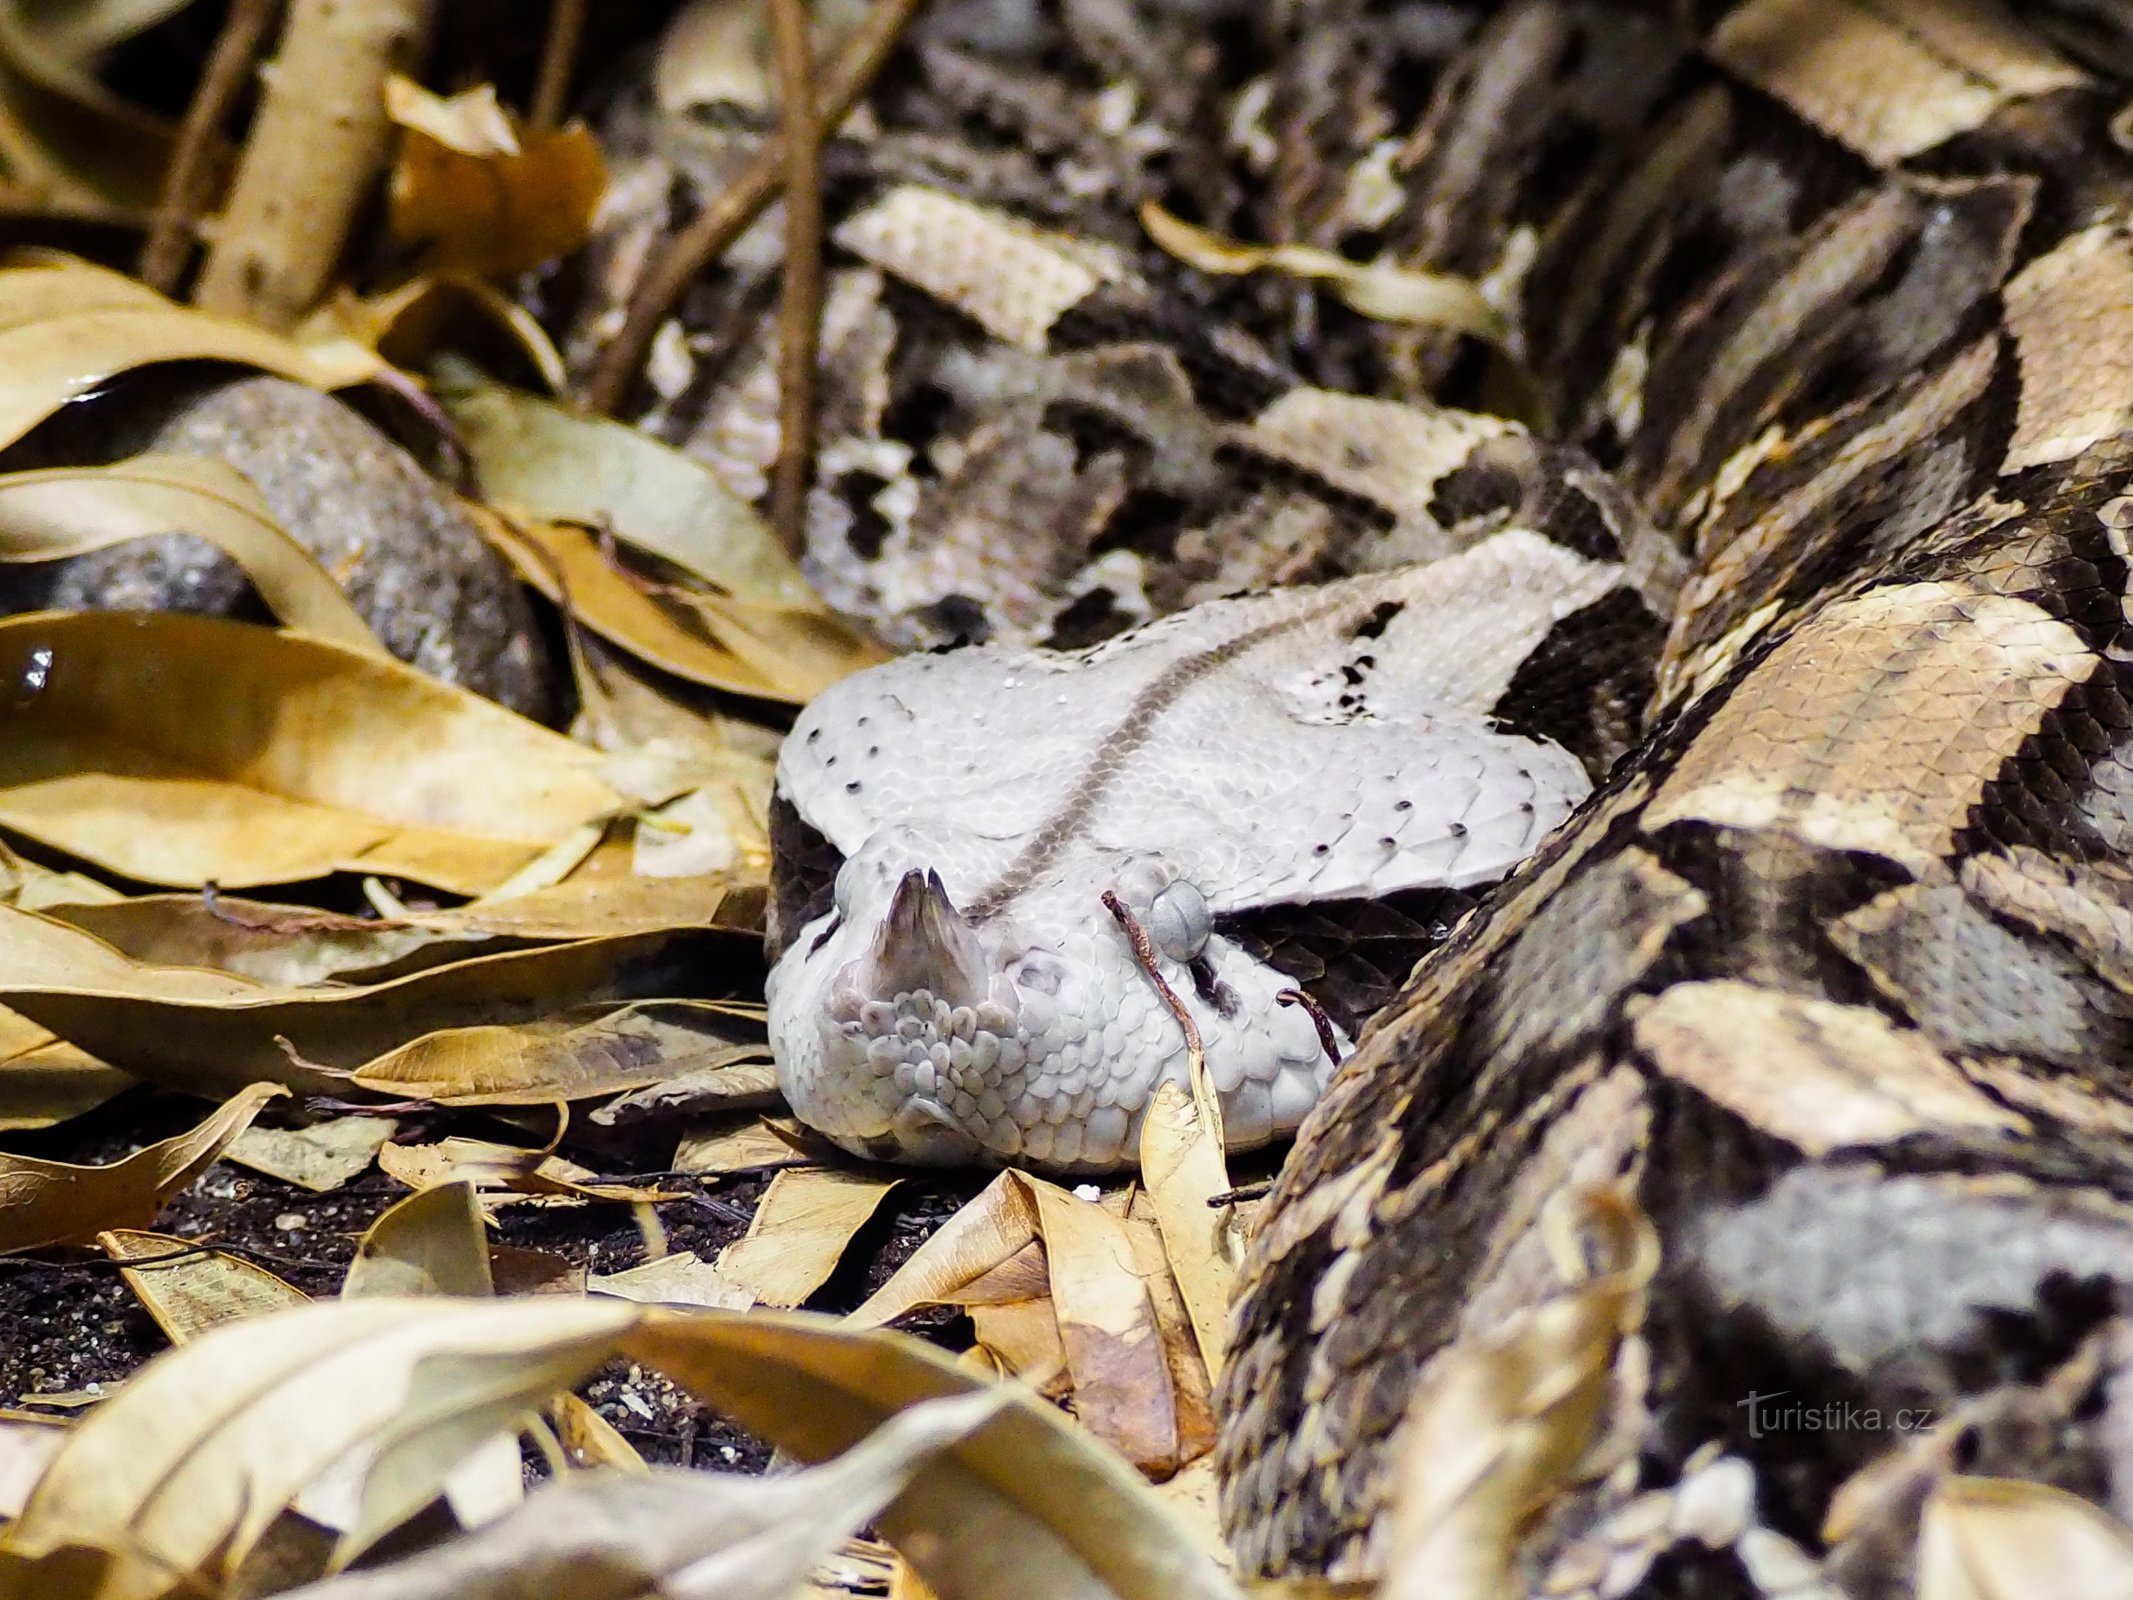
{"x":198,"y":1030}
{"x":412,"y":324}
{"x":680,"y":1279}
{"x":799,"y":1233}
{"x":51,"y":1081}
{"x":1182,"y":1168}
{"x":472,"y":122}
{"x":286,"y":945}
{"x":432,"y":1243}
{"x":994,"y":1228}
{"x":1022,"y":1339}
{"x":522,"y":1173}
{"x":67,"y":329}
{"x":51,"y":1202}
{"x":559,"y":1058}
{"x":268,"y":757}
{"x":66,"y":511}
{"x":188,"y":1294}
{"x":1386,"y":293}
{"x":737,"y":1144}
{"x":2004,"y":1539}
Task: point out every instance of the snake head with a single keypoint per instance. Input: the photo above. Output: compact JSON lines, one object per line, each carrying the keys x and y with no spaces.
{"x":909,"y":1027}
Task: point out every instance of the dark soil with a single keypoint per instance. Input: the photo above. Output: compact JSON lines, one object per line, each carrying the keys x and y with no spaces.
{"x":68,"y":1323}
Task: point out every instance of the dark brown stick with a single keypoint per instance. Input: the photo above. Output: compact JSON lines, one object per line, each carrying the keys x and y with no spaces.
{"x":229,"y":64}
{"x":559,"y":58}
{"x":800,"y":308}
{"x":1144,"y":953}
{"x":1319,"y":1020}
{"x":727,"y":217}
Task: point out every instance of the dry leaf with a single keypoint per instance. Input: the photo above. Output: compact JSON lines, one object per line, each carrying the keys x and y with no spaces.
{"x":322,"y":1157}
{"x":512,"y":1168}
{"x":1182,"y":1167}
{"x":748,"y":1082}
{"x":2004,"y":1539}
{"x":27,"y":1446}
{"x":799,"y":1232}
{"x":51,"y":1082}
{"x":66,"y":511}
{"x":1502,"y":1420}
{"x":680,"y":1535}
{"x":189,"y":1293}
{"x":187,"y":1467}
{"x":201,"y":1030}
{"x":68,"y":328}
{"x":995,"y":1227}
{"x":432,"y":1243}
{"x":680,"y":1279}
{"x":1386,"y":293}
{"x":738,"y":1144}
{"x":291,"y":946}
{"x":592,"y":906}
{"x":476,"y":191}
{"x":589,"y":1439}
{"x":550,"y":1059}
{"x":51,"y":1202}
{"x":269,"y":757}
{"x":1189,"y":1383}
{"x":1021,"y":1337}
{"x":68,"y":145}
{"x":412,"y":324}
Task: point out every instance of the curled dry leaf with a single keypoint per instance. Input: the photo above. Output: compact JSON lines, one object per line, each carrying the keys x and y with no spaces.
{"x":519,"y":1172}
{"x":1107,"y":1320}
{"x":67,"y":143}
{"x":432,"y":1243}
{"x":196,"y":1029}
{"x":1389,"y":294}
{"x":799,"y":1233}
{"x":45,"y":1080}
{"x":411,"y":324}
{"x":68,"y":328}
{"x":2004,"y":1539}
{"x":186,"y":1468}
{"x":683,"y":1535}
{"x":1503,"y":1419}
{"x":558,"y":467}
{"x":476,"y":191}
{"x":51,"y":1202}
{"x":189,"y":1290}
{"x":746,"y":1081}
{"x":67,"y":511}
{"x":557,"y":1058}
{"x":268,"y":757}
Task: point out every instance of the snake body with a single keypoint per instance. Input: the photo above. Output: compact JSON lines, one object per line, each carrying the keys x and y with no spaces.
{"x":1825,"y":309}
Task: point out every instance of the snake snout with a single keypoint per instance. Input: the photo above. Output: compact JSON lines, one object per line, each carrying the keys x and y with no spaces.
{"x":925,"y":943}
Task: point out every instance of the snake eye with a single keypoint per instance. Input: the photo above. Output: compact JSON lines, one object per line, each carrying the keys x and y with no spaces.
{"x":1179,"y":923}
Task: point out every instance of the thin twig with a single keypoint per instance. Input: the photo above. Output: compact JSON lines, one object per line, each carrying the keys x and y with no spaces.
{"x":1244,"y":1191}
{"x":727,"y":218}
{"x":1144,"y":953}
{"x":236,"y":52}
{"x":559,"y":58}
{"x":800,"y":309}
{"x":1319,"y":1020}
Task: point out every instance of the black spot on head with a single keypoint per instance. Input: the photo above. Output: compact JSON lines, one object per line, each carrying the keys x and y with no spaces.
{"x":1403,"y":805}
{"x":1321,"y":849}
{"x":870,"y":529}
{"x":1458,"y":828}
{"x":1380,"y":618}
{"x":960,"y":617}
{"x":852,"y":787}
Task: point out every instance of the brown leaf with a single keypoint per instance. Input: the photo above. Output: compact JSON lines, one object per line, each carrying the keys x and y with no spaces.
{"x":476,"y":191}
{"x":51,"y":1202}
{"x":322,"y":1157}
{"x":2004,"y":1539}
{"x":799,"y":1232}
{"x":432,"y":1243}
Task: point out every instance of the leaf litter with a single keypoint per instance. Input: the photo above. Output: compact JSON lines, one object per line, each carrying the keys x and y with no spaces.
{"x":497,"y":1173}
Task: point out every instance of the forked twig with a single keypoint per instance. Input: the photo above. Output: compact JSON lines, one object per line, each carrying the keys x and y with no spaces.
{"x":727,"y":217}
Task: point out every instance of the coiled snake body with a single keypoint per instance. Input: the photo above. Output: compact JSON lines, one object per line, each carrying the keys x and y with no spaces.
{"x":1830,"y":980}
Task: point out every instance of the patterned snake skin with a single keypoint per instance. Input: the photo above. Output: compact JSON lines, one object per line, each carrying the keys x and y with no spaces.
{"x":1822,"y":314}
{"x":1834,"y":975}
